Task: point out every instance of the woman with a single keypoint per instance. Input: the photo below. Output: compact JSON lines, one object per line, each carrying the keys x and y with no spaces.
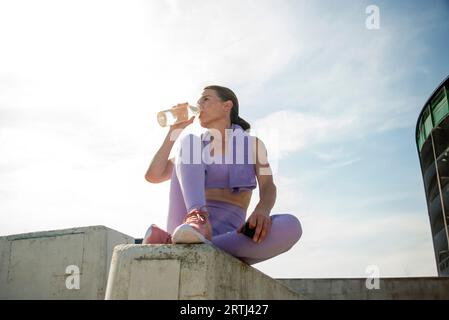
{"x":208,"y":201}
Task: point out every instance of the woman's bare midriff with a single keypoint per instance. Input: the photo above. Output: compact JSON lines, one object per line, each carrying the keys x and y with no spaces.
{"x":241,"y":199}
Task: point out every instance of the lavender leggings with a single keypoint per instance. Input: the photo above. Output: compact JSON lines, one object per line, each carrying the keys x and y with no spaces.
{"x":187,"y":191}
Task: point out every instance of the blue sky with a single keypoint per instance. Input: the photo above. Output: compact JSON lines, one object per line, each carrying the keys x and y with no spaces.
{"x":335,"y":103}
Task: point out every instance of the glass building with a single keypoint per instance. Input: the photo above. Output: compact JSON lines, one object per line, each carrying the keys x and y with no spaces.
{"x":432,"y":140}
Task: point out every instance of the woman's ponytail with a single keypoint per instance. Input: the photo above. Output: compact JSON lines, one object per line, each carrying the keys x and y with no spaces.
{"x":240,"y":121}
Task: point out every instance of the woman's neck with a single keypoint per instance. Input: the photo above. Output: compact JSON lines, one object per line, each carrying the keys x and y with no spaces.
{"x":221,"y":127}
{"x":219,"y":142}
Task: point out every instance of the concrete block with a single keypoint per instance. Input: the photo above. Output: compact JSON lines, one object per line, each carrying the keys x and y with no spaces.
{"x":60,"y":264}
{"x":355,"y":288}
{"x":198,"y":271}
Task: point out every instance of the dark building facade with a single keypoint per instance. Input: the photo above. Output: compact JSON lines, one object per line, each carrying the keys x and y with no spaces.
{"x":432,"y":140}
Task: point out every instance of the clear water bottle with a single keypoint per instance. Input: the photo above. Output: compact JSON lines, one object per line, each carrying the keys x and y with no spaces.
{"x":177,"y":115}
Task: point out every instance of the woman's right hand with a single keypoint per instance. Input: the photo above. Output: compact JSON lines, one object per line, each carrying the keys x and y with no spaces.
{"x":184,"y":124}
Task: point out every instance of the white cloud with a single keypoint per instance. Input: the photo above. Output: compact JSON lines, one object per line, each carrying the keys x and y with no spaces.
{"x":286,"y":132}
{"x":343,"y":163}
{"x":331,"y":154}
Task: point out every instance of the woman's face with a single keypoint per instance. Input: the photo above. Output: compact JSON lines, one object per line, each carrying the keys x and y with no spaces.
{"x":212,"y":109}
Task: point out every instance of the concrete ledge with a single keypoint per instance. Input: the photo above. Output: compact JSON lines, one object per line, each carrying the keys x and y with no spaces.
{"x":35,"y":265}
{"x":355,"y":288}
{"x":185,"y":272}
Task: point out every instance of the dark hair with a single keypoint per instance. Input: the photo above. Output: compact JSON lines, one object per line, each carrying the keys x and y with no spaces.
{"x":226,"y":94}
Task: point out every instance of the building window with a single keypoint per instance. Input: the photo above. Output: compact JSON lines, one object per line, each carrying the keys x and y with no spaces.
{"x":439,"y":106}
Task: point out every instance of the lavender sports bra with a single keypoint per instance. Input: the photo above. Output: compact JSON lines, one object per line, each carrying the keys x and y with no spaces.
{"x":232,"y":173}
{"x":217,"y":175}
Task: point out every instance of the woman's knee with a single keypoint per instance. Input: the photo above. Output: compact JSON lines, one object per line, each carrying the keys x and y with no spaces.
{"x":291,"y":227}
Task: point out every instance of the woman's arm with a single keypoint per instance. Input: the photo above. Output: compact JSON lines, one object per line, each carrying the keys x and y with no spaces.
{"x":161,"y":167}
{"x":267,"y":188}
{"x":260,"y":217}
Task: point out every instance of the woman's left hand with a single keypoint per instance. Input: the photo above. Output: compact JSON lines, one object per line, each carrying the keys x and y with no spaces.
{"x":262,"y":222}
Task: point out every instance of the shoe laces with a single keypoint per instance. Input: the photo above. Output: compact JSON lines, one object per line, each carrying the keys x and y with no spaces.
{"x":168,"y":240}
{"x":197,"y":215}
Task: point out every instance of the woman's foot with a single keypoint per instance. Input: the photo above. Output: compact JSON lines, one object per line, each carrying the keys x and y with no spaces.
{"x":156,"y":235}
{"x":195,"y":229}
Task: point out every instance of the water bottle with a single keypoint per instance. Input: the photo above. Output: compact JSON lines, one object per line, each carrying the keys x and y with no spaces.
{"x":177,"y":115}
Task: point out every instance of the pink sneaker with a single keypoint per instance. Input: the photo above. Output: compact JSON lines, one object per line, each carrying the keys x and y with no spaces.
{"x":195,"y":229}
{"x":156,"y":235}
